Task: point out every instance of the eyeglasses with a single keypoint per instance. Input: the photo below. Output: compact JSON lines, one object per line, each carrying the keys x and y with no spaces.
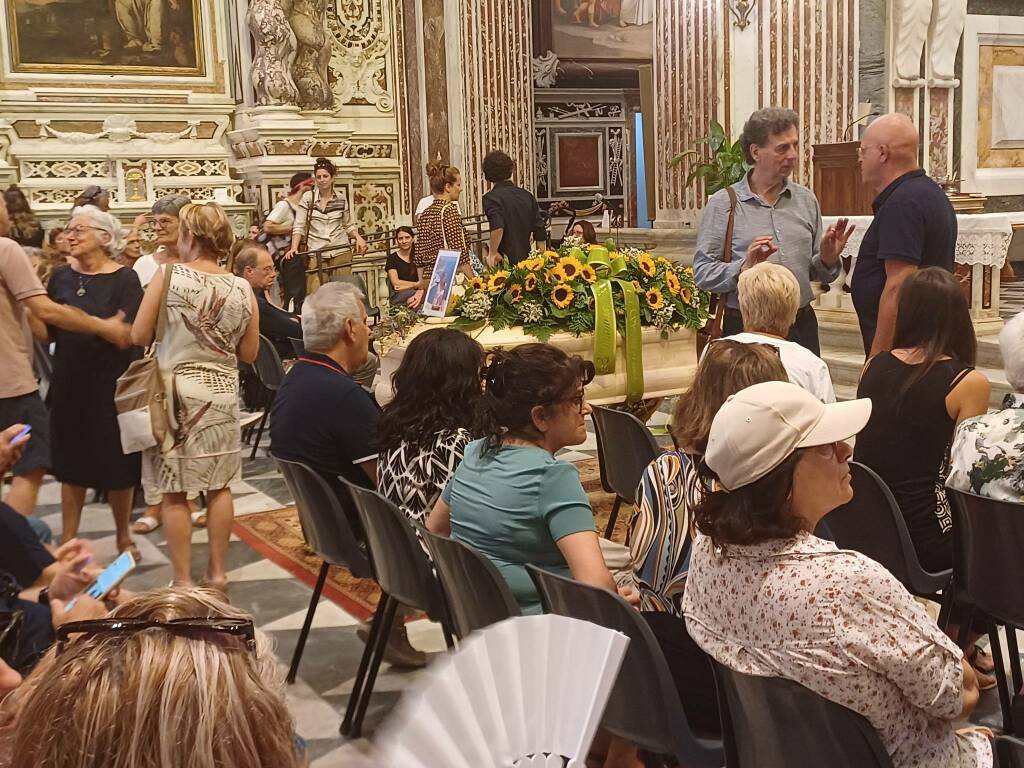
{"x":829,"y":451}
{"x":211,"y":629}
{"x":80,"y":230}
{"x":159,"y":223}
{"x":578,"y":401}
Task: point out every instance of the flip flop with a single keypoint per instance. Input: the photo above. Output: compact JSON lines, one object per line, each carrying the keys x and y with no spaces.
{"x":199,"y":518}
{"x":146,"y":524}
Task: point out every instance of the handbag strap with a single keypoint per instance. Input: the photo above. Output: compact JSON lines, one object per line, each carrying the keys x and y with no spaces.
{"x":715,"y":325}
{"x":161,"y":319}
{"x":444,"y":235}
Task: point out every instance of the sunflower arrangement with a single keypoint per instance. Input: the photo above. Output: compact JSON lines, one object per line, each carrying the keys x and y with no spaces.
{"x":551,"y":291}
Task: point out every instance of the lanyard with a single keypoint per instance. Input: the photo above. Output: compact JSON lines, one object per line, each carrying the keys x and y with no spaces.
{"x":340,"y":372}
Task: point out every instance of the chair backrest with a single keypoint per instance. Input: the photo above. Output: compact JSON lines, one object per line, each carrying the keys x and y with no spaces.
{"x":774,"y":721}
{"x":268,"y":367}
{"x":358,"y":281}
{"x":477,"y":594}
{"x":988,"y":538}
{"x":325,"y":523}
{"x":400,"y":564}
{"x":297,"y":346}
{"x":872,"y":524}
{"x":1009,"y":751}
{"x":644,"y":707}
{"x":624,"y":447}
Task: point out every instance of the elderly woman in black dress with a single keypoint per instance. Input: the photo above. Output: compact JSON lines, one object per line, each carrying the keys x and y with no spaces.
{"x":86,"y":441}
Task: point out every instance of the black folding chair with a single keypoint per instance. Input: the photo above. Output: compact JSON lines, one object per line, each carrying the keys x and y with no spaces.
{"x":326,"y":520}
{"x":769,"y":721}
{"x":1009,"y":752}
{"x":405,"y":576}
{"x":873,"y":525}
{"x":269,"y":373}
{"x":644,"y":707}
{"x":625,"y":446}
{"x":988,"y":538}
{"x":372,"y":312}
{"x":477,"y":594}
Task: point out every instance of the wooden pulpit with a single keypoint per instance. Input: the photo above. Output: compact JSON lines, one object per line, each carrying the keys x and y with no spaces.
{"x":837,"y":180}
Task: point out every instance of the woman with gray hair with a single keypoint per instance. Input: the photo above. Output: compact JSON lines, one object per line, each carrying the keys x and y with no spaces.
{"x":85,"y":439}
{"x":773,"y":219}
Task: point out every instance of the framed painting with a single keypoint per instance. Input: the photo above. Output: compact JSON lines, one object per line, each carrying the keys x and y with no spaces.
{"x":442,"y":280}
{"x":106,"y":37}
{"x":596,"y":41}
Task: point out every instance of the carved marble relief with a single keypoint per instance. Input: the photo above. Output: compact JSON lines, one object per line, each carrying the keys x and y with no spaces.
{"x":308,"y":20}
{"x":374,"y":205}
{"x":275,"y":44}
{"x":361,"y":44}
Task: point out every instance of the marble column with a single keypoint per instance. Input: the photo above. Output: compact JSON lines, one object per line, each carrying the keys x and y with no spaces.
{"x":495,"y":109}
{"x":308,"y":19}
{"x":274,"y":44}
{"x":723,"y":59}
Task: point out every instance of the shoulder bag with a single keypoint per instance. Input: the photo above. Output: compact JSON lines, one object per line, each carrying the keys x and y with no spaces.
{"x":140,"y":396}
{"x":716,"y":311}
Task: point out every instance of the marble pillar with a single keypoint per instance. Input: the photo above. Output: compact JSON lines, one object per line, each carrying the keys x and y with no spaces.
{"x":712,"y":62}
{"x":274,"y":43}
{"x":308,"y":19}
{"x":496,"y":98}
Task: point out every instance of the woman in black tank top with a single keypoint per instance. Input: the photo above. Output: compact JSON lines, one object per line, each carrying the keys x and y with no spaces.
{"x":919,"y":393}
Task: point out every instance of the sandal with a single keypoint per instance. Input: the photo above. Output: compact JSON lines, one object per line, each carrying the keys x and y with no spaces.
{"x":986,"y":678}
{"x":981,"y":660}
{"x":134,"y":550}
{"x":199,"y":518}
{"x":145,"y":525}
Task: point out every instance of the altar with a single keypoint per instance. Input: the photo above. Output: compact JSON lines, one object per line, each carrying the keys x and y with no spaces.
{"x":670,"y":359}
{"x":983,"y":241}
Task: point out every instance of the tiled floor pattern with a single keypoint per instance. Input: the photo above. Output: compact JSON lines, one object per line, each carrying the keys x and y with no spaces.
{"x":278,"y":602}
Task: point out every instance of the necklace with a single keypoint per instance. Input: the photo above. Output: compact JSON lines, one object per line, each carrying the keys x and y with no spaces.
{"x":82,"y":282}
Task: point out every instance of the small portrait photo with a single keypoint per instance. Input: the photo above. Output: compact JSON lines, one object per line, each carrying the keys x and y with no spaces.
{"x":439,"y":290}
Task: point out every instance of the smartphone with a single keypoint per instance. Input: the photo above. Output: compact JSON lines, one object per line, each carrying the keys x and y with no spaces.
{"x":22,"y":436}
{"x":112,"y":575}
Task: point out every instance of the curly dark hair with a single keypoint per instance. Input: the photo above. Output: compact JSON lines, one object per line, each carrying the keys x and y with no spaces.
{"x":520,"y":379}
{"x":498,"y":166}
{"x":327,"y":165}
{"x":750,"y":514}
{"x":436,"y":388}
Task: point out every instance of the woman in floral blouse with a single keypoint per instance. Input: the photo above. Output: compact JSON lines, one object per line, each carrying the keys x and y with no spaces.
{"x":423,"y":431}
{"x":766,"y":597}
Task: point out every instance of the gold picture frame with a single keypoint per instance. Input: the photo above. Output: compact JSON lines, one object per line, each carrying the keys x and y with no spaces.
{"x":155,"y":38}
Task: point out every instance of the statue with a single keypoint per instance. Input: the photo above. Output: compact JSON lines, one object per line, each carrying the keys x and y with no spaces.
{"x":275,"y":52}
{"x":941,"y":22}
{"x":308,"y":19}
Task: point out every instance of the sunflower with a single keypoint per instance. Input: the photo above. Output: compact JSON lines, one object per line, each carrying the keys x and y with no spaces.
{"x":562,"y":295}
{"x":672,"y":280}
{"x":654,"y":299}
{"x":558,"y":275}
{"x":532,"y":264}
{"x":551,"y":256}
{"x":530,"y":282}
{"x":588,"y":273}
{"x":646,"y":264}
{"x":636,"y":284}
{"x":663,"y":261}
{"x":478,"y":283}
{"x":570,"y":267}
{"x":497,"y":281}
{"x":686,"y":296}
{"x":514,"y":292}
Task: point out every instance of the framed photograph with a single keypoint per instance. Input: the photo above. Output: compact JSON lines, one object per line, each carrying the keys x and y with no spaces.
{"x":597,"y":42}
{"x":129,"y":37}
{"x":442,"y":279}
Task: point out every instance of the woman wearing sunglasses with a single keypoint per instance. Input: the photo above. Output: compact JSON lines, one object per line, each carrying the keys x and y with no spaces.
{"x":511,"y":498}
{"x":171,"y":677}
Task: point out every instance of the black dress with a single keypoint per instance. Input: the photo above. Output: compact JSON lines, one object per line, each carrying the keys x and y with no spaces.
{"x":906,"y":441}
{"x":85,"y":439}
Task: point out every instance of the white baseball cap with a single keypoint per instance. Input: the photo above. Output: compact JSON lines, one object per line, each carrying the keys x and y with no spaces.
{"x":759,"y":427}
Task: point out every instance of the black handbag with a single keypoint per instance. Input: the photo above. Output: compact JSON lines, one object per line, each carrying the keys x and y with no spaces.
{"x":12,"y":621}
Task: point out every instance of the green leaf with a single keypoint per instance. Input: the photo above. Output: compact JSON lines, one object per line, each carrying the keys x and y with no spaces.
{"x":466,"y":325}
{"x":540,"y":331}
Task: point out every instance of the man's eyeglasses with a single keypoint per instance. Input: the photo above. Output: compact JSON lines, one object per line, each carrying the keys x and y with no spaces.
{"x":211,"y":629}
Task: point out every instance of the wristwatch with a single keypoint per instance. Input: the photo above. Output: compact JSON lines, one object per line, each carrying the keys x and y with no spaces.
{"x":44,"y":596}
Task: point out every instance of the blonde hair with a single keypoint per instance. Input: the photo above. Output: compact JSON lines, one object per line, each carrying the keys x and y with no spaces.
{"x":769,"y":298}
{"x":209,"y":225}
{"x":153,"y":699}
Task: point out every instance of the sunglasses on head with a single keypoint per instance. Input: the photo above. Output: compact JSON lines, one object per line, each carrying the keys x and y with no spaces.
{"x":210,"y":628}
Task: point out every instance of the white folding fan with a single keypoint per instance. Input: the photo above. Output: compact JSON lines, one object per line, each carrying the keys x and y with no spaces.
{"x":527,"y":692}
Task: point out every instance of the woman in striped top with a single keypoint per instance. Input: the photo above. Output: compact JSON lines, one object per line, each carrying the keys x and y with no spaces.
{"x":323,"y":219}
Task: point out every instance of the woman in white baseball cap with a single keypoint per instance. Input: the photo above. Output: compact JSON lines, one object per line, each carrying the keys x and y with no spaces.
{"x":766,"y":597}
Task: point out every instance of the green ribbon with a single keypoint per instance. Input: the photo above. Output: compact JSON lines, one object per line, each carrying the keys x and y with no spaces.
{"x":604,"y":319}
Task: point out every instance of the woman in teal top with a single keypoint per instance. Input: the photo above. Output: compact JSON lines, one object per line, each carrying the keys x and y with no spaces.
{"x":511,"y":498}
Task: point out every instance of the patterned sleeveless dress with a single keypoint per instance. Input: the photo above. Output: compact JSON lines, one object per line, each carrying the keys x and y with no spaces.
{"x":206,"y":318}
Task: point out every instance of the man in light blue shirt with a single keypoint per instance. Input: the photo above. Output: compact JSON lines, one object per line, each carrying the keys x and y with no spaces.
{"x":776,"y":220}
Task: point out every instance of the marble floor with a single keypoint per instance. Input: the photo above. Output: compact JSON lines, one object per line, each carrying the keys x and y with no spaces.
{"x":278,"y":601}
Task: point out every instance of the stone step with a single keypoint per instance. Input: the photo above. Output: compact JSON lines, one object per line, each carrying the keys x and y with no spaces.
{"x":845,"y":368}
{"x":845,"y":337}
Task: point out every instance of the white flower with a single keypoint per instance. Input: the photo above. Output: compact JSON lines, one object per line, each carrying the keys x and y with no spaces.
{"x":476,"y":306}
{"x":572,"y":241}
{"x":531,"y":311}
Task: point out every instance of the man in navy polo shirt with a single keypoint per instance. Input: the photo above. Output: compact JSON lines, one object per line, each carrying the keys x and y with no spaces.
{"x":321,"y":416}
{"x":914,"y":227}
